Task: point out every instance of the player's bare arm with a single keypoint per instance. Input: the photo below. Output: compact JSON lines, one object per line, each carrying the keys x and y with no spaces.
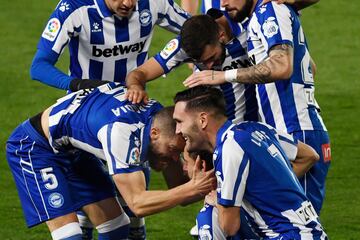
{"x":229,"y":219}
{"x":132,"y":187}
{"x":299,"y":4}
{"x":306,"y":157}
{"x":136,"y":80}
{"x":278,"y":66}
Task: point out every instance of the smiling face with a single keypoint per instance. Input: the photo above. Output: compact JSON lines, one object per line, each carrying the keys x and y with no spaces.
{"x":187,"y":124}
{"x":238,"y":9}
{"x":122,"y":8}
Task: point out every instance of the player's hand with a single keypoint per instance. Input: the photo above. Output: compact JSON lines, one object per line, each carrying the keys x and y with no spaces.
{"x":211,"y":198}
{"x":206,"y":77}
{"x":136,"y":94}
{"x":202,"y":182}
{"x":279,"y":1}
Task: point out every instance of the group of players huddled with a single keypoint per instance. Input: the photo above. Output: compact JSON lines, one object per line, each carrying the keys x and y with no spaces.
{"x":246,"y":136}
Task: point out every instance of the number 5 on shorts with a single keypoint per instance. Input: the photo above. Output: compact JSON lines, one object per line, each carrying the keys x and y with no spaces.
{"x":49,"y":177}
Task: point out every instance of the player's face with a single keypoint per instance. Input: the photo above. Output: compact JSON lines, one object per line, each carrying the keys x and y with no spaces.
{"x":238,"y":9}
{"x":187,"y":126}
{"x":122,"y":8}
{"x":212,"y":57}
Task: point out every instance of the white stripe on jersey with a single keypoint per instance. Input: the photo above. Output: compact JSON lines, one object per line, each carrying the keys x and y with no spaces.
{"x":282,"y":13}
{"x":54,"y":119}
{"x":301,"y":107}
{"x":275,"y":105}
{"x":87,"y":147}
{"x":255,"y":215}
{"x":230,"y":169}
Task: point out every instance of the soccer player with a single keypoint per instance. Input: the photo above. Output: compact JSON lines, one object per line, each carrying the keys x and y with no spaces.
{"x":43,"y":151}
{"x":285,"y":85}
{"x":106,"y":39}
{"x":252,"y":167}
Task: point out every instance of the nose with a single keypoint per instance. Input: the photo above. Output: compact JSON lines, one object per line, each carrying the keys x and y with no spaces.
{"x":224,"y":3}
{"x":209,"y":65}
{"x":177,"y":130}
{"x":129,"y":3}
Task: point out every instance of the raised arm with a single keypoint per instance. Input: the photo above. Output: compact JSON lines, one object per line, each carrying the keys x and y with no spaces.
{"x":298,"y":4}
{"x":137,"y":79}
{"x":278,"y":66}
{"x":143,"y":203}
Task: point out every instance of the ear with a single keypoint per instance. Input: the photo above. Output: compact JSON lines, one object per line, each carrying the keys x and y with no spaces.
{"x":154,"y":133}
{"x":222,"y":36}
{"x":203,"y":120}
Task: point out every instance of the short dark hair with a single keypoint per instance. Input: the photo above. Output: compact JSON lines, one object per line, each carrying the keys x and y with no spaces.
{"x":165,"y":120}
{"x":197,"y":32}
{"x":204,"y":155}
{"x":203,"y":98}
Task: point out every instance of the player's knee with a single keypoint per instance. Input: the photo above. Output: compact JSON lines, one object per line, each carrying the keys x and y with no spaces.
{"x":117,"y":228}
{"x":70,"y":231}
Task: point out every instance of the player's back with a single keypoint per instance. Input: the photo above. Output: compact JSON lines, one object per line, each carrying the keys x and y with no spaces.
{"x":273,"y":198}
{"x":75,"y":120}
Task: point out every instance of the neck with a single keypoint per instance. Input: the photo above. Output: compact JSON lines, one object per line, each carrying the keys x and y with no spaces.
{"x":254,"y":2}
{"x":212,"y":133}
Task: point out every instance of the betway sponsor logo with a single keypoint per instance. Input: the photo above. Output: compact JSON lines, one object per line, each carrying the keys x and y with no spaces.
{"x":240,"y":64}
{"x":118,"y":50}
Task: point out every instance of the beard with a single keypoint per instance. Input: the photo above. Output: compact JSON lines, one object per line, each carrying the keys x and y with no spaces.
{"x":242,"y":14}
{"x":218,"y":66}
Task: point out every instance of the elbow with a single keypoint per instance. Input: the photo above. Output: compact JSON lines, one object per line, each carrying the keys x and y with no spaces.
{"x":138,"y":209}
{"x":230,"y":229}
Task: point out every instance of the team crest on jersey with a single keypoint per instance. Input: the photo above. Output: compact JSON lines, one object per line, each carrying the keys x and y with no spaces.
{"x":56,"y":200}
{"x":270,"y":27}
{"x":145,"y":17}
{"x":169,"y":48}
{"x":52,"y":29}
{"x":64,"y":6}
{"x":134,"y":156}
{"x":204,"y":232}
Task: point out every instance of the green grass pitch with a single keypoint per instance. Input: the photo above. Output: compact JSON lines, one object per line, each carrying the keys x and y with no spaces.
{"x":332,"y":30}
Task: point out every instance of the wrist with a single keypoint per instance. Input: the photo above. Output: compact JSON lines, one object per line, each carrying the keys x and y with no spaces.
{"x":231,"y":75}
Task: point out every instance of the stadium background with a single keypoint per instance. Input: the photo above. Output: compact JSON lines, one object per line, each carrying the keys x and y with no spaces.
{"x":332,"y":29}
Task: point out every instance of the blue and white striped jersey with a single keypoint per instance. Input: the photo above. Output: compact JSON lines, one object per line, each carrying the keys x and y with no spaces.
{"x":240,"y":98}
{"x":101,"y":122}
{"x":207,"y":4}
{"x":288,"y":105}
{"x":253,"y":171}
{"x":103,"y":45}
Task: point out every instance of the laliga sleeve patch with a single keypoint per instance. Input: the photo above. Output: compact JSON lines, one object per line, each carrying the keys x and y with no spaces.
{"x":52,"y":29}
{"x":270,"y":27}
{"x":169,"y":48}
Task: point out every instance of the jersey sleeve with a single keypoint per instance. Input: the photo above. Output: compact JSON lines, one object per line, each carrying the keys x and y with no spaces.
{"x":231,"y":171}
{"x":288,"y":144}
{"x":172,"y":55}
{"x":64,"y":23}
{"x":276,"y":24}
{"x":121,"y":146}
{"x":170,"y":15}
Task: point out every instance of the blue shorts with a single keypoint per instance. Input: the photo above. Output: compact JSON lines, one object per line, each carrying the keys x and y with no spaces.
{"x":314,"y":181}
{"x":209,"y":228}
{"x":52,"y":185}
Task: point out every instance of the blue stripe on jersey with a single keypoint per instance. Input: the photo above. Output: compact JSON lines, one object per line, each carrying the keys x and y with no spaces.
{"x":95,"y":69}
{"x":141,"y":58}
{"x":175,"y":24}
{"x":75,"y":68}
{"x":121,"y":29}
{"x":214,"y":4}
{"x":235,"y":48}
{"x":145,"y":29}
{"x":235,"y":27}
{"x":120,"y":70}
{"x":228,"y":91}
{"x":288,"y":107}
{"x":96,"y":26}
{"x":251,"y":113}
{"x":181,"y":13}
{"x":244,"y":162}
{"x":269,"y":118}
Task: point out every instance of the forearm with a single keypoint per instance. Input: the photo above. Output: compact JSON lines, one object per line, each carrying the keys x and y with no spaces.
{"x":278,"y":66}
{"x":43,"y":70}
{"x":150,"y":70}
{"x":305,"y":159}
{"x":301,"y":4}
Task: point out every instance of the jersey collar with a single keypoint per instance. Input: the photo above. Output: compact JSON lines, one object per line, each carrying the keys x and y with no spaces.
{"x":222,"y":132}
